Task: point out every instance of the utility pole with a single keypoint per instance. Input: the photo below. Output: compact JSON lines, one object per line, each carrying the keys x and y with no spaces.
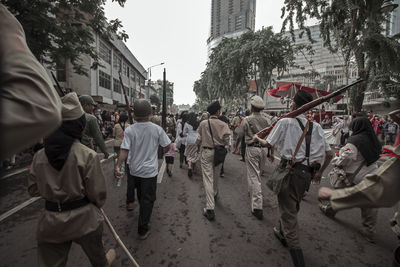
{"x":164,"y":102}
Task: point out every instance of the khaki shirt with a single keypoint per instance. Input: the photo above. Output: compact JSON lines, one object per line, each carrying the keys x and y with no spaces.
{"x":80,"y":176}
{"x":156,"y":119}
{"x":236,"y":122}
{"x":92,"y":133}
{"x":220,"y":130}
{"x":31,"y":108}
{"x":118,"y":133}
{"x":258,"y":122}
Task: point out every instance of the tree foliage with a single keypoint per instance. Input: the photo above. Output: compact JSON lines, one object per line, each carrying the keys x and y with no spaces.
{"x":234,"y":62}
{"x":57,"y":30}
{"x":356,"y":29}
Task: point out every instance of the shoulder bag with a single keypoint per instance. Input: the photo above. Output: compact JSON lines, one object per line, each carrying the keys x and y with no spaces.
{"x":279,"y":180}
{"x":340,"y":179}
{"x":219,"y":151}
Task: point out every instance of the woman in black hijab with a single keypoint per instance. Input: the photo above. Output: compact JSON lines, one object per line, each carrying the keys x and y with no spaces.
{"x":365,"y":139}
{"x":358,"y":158}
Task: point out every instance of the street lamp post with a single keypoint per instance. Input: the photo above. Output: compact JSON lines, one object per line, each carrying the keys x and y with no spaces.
{"x":149,"y":71}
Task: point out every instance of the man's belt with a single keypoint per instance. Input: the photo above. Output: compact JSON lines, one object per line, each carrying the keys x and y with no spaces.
{"x":59,"y":207}
{"x":254,"y":145}
{"x":206,"y":147}
{"x":297,"y":165}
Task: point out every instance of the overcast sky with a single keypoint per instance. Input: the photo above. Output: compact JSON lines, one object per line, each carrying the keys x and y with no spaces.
{"x":175,"y":32}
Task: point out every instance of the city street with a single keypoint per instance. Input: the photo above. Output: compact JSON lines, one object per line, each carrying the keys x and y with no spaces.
{"x":182,"y":236}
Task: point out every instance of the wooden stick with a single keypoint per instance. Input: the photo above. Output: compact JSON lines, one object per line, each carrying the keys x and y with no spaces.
{"x":119,"y":241}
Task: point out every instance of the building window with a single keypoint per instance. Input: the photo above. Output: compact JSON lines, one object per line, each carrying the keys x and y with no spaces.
{"x":104,"y":80}
{"x":116,"y":62}
{"x":117,"y":85}
{"x":105,"y":52}
{"x":125,"y":69}
{"x":238,"y":23}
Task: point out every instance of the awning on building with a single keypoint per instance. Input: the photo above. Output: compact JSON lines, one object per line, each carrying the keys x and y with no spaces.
{"x":103,"y":99}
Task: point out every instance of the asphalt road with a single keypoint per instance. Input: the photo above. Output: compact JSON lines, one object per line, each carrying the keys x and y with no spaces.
{"x":182,"y":236}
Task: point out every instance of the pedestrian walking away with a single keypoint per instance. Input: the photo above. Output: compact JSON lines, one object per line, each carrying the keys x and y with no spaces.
{"x":181,"y":137}
{"x":69,"y":177}
{"x":141,"y":141}
{"x":256,"y":154}
{"x":306,"y":167}
{"x":170,"y":155}
{"x":190,"y":131}
{"x":92,"y":136}
{"x":213,"y":134}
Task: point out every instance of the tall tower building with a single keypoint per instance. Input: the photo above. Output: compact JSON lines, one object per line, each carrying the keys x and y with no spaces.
{"x":230,"y":19}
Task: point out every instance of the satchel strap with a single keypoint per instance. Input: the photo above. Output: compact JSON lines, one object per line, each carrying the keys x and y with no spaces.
{"x":308,"y":138}
{"x":354,"y":174}
{"x":305,"y":130}
{"x":212,"y":138}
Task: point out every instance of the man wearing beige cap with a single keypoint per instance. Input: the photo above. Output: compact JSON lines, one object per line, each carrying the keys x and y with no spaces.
{"x":69,"y":177}
{"x":256,"y":155}
{"x":141,"y":141}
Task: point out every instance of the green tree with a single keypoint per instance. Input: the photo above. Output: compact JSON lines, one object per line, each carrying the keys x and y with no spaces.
{"x":57,"y":30}
{"x":234,"y":62}
{"x":356,"y":29}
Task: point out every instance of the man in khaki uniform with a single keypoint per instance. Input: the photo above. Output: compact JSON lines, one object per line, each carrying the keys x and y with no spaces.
{"x":69,"y":177}
{"x":155,"y":118}
{"x":221,"y":133}
{"x":236,"y":122}
{"x":92,"y":136}
{"x":256,"y":155}
{"x":30,"y":107}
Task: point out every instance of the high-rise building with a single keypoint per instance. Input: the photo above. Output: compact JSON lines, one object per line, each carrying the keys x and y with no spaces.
{"x":230,"y":19}
{"x":394,"y":22}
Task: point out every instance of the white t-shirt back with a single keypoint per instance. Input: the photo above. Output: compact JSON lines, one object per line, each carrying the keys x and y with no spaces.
{"x":142,"y":140}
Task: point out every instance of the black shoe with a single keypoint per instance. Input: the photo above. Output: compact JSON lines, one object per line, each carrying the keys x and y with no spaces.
{"x":209,"y":214}
{"x":258,"y":214}
{"x":169,"y":173}
{"x":297,"y":257}
{"x":190,"y":172}
{"x":278,"y":234}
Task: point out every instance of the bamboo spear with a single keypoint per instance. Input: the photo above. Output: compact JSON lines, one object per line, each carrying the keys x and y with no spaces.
{"x":119,"y":241}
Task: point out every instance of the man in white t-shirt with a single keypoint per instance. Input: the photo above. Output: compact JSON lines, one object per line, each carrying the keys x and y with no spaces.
{"x":141,"y":141}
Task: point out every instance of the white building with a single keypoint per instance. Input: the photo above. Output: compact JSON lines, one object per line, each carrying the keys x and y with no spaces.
{"x":103,"y":83}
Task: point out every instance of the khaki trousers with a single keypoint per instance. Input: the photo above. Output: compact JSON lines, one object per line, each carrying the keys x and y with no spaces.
{"x":289,"y":205}
{"x":56,"y":254}
{"x":210,"y":181}
{"x":255,"y":161}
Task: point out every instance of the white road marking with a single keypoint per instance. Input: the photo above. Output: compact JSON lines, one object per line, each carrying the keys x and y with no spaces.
{"x":18,"y":208}
{"x":161,"y":172}
{"x":14,"y":173}
{"x":31,"y":200}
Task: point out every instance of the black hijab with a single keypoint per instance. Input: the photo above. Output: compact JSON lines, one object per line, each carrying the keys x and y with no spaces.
{"x":58,"y":144}
{"x":364,"y":138}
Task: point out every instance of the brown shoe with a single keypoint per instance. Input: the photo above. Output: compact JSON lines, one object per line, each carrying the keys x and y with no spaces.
{"x":130,"y":206}
{"x":110,"y":256}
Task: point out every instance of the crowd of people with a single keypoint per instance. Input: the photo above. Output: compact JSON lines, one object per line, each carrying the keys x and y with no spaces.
{"x":66,"y":170}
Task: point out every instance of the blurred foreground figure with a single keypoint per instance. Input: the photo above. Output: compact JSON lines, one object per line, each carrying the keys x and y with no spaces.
{"x":30,"y":107}
{"x":69,"y":177}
